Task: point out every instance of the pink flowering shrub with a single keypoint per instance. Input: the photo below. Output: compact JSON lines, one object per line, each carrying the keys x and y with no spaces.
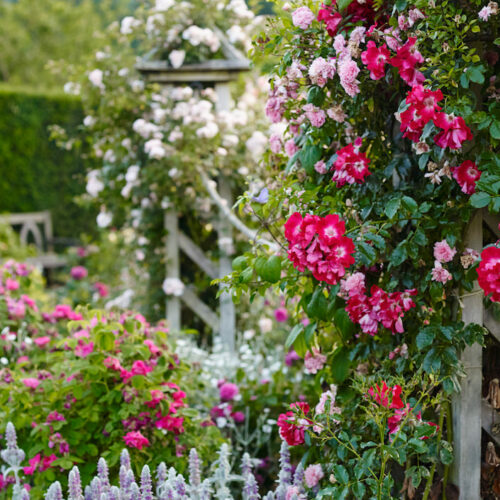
{"x":110,"y":380}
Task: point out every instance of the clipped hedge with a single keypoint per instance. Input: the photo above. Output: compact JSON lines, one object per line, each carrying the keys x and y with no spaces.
{"x":35,"y":173}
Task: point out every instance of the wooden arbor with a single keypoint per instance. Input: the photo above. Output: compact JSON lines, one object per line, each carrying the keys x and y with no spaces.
{"x":471,"y":412}
{"x":216,"y":73}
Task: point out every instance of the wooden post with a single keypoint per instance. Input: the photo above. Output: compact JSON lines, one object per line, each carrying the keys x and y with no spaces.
{"x":173,"y":267}
{"x":466,"y":405}
{"x":227,"y":313}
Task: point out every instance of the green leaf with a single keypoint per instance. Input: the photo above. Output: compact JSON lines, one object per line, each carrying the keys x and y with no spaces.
{"x":410,"y":204}
{"x":318,"y":305}
{"x":358,"y":490}
{"x":308,"y":156}
{"x":399,"y":255}
{"x":475,"y":74}
{"x":401,"y":5}
{"x":418,"y":445}
{"x":344,"y":324}
{"x":316,"y":95}
{"x":341,"y":474}
{"x":392,"y":207}
{"x":340,"y":365}
{"x":425,"y":337}
{"x":271,"y":270}
{"x":495,"y":130}
{"x":105,"y":340}
{"x":343,"y":4}
{"x":309,"y":333}
{"x":368,"y":254}
{"x":480,"y":200}
{"x":239,"y":263}
{"x":294,"y":333}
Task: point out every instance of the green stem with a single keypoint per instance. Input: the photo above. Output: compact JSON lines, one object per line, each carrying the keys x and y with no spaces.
{"x":449,"y":436}
{"x":428,"y":485}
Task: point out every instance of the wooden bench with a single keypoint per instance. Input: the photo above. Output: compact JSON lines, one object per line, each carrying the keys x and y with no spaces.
{"x":38,"y":227}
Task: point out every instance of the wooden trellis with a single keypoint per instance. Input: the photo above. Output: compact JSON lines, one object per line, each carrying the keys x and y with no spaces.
{"x":471,"y":412}
{"x":217,"y":74}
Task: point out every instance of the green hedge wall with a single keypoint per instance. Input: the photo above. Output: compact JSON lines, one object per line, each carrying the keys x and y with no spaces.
{"x":35,"y":174}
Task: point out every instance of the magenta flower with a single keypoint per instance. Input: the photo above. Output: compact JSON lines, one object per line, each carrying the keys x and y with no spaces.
{"x":136,"y":439}
{"x":31,"y":382}
{"x":281,"y":314}
{"x":228,"y":391}
{"x":82,"y":350}
{"x":79,"y":273}
{"x":41,"y":341}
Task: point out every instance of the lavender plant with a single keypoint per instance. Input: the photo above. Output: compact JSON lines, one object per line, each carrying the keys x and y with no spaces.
{"x":170,"y":485}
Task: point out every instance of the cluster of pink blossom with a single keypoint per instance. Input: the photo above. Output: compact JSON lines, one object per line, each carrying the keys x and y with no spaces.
{"x":390,"y":398}
{"x":442,"y":253}
{"x":321,"y":71}
{"x":315,"y":115}
{"x":467,"y":174}
{"x":291,"y":428}
{"x":314,"y":361}
{"x":380,"y":308}
{"x":319,"y":244}
{"x":351,"y":165}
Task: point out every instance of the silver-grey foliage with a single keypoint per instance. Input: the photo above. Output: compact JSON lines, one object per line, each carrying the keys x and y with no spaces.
{"x":170,"y":485}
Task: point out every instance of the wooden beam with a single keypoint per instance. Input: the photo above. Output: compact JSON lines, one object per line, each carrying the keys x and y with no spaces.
{"x":492,"y":221}
{"x":200,"y":308}
{"x":466,"y":471}
{"x":173,"y":267}
{"x":492,"y":324}
{"x":195,"y":253}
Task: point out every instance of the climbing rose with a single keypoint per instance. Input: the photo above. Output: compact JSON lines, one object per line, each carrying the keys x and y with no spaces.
{"x":350,"y":166}
{"x":381,"y":308}
{"x":313,"y":475}
{"x":440,"y":274}
{"x":406,"y":58}
{"x":314,"y":361}
{"x":454,"y":132}
{"x":375,"y":59}
{"x":290,"y":430}
{"x":467,"y":174}
{"x":388,"y":397}
{"x":321,"y":71}
{"x":302,"y":17}
{"x":318,"y":244}
{"x":489,"y":272}
{"x":135,"y":439}
{"x":315,"y":115}
{"x":422,"y":109}
{"x":330,"y":18}
{"x":443,"y":252}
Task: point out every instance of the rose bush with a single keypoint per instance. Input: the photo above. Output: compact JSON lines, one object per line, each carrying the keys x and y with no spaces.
{"x":82,"y":383}
{"x":391,"y":131}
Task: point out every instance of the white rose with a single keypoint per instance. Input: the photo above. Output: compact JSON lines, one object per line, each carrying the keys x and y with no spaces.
{"x":104,"y":219}
{"x":173,"y":286}
{"x":95,"y":78}
{"x":176,"y":58}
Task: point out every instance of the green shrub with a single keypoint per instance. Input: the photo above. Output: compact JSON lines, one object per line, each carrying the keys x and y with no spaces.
{"x":36,"y":174}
